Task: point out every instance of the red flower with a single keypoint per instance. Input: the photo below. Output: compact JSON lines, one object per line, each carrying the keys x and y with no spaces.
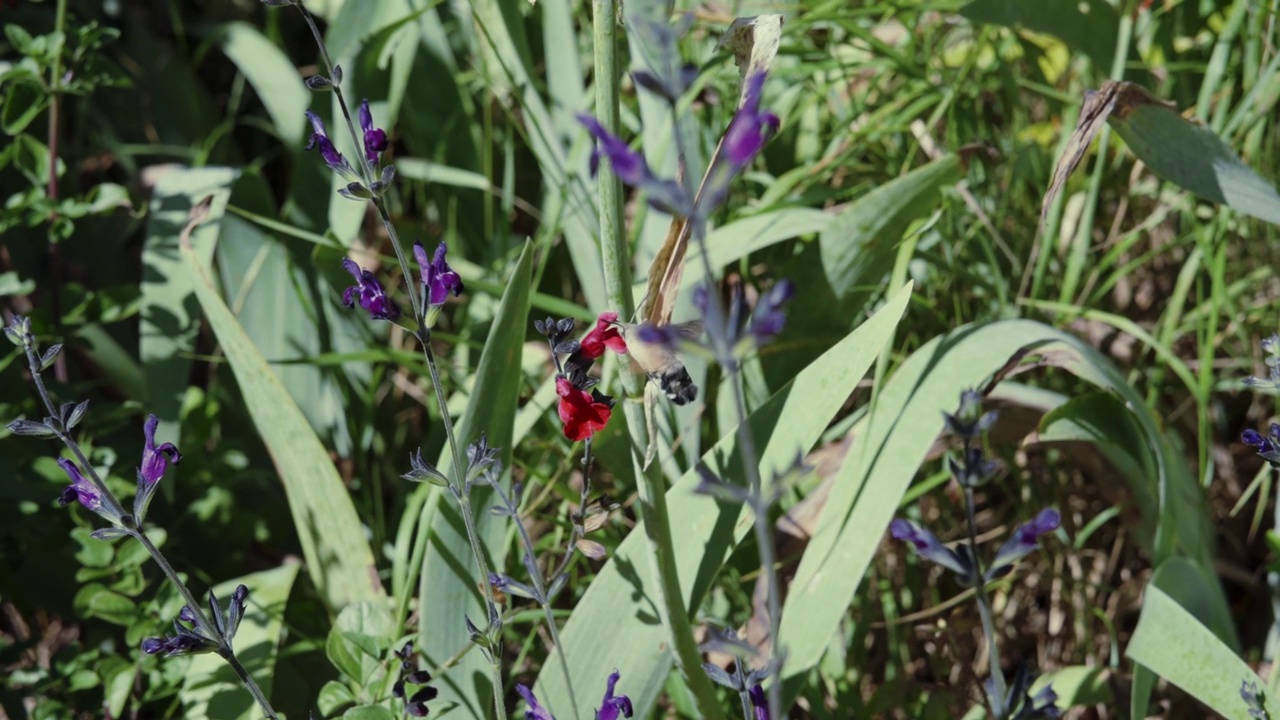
{"x":581,"y":414}
{"x":605,"y":335}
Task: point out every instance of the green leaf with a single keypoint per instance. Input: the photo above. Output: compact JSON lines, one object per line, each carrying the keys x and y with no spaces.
{"x":448,"y":586}
{"x":792,"y":421}
{"x":334,"y":696}
{"x":1177,"y":647}
{"x":369,"y":712}
{"x":272,"y":75}
{"x":210,"y":689}
{"x":860,"y":244}
{"x":1192,"y":156}
{"x":95,"y":600}
{"x":853,"y":522}
{"x":1090,"y":26}
{"x":11,"y":283}
{"x":169,"y":324}
{"x":23,"y":102}
{"x":338,"y":557}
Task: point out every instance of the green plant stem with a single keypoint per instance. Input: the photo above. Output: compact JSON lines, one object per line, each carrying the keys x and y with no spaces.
{"x":459,"y":490}
{"x":984,"y":606}
{"x":459,"y":487}
{"x":203,"y":623}
{"x":51,"y":190}
{"x":615,"y":256}
{"x":540,"y":585}
{"x":225,"y":651}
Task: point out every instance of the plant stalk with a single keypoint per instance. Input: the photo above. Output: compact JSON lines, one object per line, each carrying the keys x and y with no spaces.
{"x":616,"y":258}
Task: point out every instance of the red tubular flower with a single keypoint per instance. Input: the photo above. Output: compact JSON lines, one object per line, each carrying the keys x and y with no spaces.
{"x":604,"y":335}
{"x":582,"y":414}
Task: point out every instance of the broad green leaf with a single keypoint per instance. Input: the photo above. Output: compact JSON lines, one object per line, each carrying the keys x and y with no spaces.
{"x":789,"y":423}
{"x":210,"y":688}
{"x":1101,"y":419}
{"x":287,"y":304}
{"x":928,"y":384}
{"x":369,"y":712}
{"x":1090,"y":26}
{"x":860,"y":244}
{"x":1078,"y":685}
{"x":1193,"y":157}
{"x":169,"y":325}
{"x":338,"y":557}
{"x":272,"y":75}
{"x":95,"y":600}
{"x":1171,"y":642}
{"x":358,"y":642}
{"x":448,"y":587}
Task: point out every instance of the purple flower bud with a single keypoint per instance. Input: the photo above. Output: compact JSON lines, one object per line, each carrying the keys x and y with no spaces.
{"x":80,"y":488}
{"x":746,"y":135}
{"x":369,"y":293}
{"x":930,"y":547}
{"x":187,"y":615}
{"x":630,"y":167}
{"x":759,"y":704}
{"x":1025,"y":538}
{"x":611,"y":706}
{"x":769,"y":319}
{"x":155,"y":459}
{"x":535,"y":711}
{"x":437,"y":277}
{"x":320,"y":139}
{"x":375,"y":139}
{"x":1268,"y":447}
{"x":153,"y":645}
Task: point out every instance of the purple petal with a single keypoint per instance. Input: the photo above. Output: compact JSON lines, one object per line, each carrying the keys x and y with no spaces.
{"x":759,"y":704}
{"x":928,"y":546}
{"x":1025,"y":538}
{"x":535,"y":711}
{"x":366,"y":117}
{"x":80,"y":489}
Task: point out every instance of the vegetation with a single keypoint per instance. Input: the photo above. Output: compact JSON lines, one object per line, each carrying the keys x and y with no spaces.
{"x":976,"y":423}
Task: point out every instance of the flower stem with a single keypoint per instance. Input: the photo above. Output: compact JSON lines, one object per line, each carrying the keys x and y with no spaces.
{"x":617,"y":274}
{"x":203,"y":622}
{"x":130,"y":526}
{"x":460,"y":493}
{"x":984,"y":605}
{"x":540,"y":585}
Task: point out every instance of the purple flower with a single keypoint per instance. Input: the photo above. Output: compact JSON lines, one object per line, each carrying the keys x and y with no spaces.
{"x":185,"y":642}
{"x":320,"y":139}
{"x":535,"y":711}
{"x":375,"y":139}
{"x":750,"y":128}
{"x":1025,"y":538}
{"x":758,"y":702}
{"x":931,"y":548}
{"x":369,"y":293}
{"x":769,"y":319}
{"x":630,"y":167}
{"x":612,"y":705}
{"x":155,"y":459}
{"x":1268,"y":447}
{"x":80,"y":488}
{"x":437,"y":277}
{"x":746,"y":135}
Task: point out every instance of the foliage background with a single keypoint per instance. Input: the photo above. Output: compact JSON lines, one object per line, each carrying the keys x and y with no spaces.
{"x":918,"y":141}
